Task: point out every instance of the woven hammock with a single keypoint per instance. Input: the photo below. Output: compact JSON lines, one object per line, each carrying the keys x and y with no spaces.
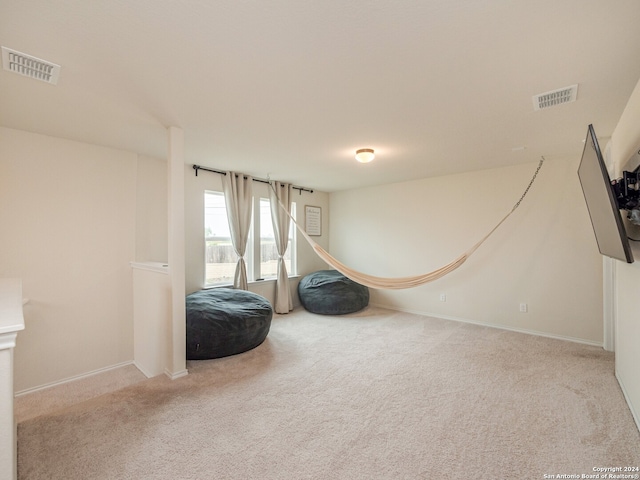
{"x":398,"y":283}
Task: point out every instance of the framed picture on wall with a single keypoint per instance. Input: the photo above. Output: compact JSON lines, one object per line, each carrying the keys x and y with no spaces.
{"x":313,"y":220}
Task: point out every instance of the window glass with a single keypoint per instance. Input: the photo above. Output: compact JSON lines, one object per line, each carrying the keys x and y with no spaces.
{"x":220,"y":257}
{"x":268,"y":249}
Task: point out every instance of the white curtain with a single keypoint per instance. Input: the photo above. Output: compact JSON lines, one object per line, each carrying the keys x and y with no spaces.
{"x":238,"y":199}
{"x":280,"y":198}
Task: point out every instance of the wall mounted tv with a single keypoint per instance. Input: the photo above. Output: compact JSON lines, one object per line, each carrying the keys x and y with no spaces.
{"x":602,"y":203}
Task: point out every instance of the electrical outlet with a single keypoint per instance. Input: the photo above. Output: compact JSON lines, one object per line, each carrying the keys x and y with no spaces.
{"x":524,"y":308}
{"x":443,"y":297}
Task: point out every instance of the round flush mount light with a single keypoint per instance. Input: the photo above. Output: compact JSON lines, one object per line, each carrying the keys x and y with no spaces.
{"x":364,"y":155}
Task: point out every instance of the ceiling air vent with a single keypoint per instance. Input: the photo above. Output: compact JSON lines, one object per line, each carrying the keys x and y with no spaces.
{"x":555,"y":97}
{"x":29,"y":66}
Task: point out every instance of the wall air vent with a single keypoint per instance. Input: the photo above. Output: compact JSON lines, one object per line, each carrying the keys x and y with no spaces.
{"x":555,"y":97}
{"x":29,"y":66}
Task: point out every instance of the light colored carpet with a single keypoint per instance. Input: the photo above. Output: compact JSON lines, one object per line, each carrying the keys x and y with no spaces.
{"x":60,"y":396}
{"x":374,"y":395}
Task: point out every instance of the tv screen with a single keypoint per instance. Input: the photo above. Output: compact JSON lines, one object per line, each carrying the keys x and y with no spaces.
{"x":601,"y":202}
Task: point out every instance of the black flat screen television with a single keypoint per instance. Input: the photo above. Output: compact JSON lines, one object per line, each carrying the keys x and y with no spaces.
{"x":606,"y":220}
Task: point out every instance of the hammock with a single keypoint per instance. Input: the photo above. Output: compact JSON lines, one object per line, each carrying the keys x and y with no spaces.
{"x":398,"y":283}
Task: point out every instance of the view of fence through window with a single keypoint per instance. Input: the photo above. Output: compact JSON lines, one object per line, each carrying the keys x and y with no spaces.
{"x":220,"y":256}
{"x":268,"y":249}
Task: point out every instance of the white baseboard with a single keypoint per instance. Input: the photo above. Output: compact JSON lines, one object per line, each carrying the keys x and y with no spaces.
{"x":492,"y":325}
{"x":96,"y":372}
{"x":180,"y":374}
{"x":144,"y":372}
{"x":635,"y":415}
{"x":74,"y":378}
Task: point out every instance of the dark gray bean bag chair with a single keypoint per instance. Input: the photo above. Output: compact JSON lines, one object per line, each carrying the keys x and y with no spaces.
{"x":329,"y":292}
{"x":224,"y":321}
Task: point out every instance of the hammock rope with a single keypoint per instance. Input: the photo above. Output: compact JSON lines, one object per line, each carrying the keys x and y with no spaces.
{"x":397,"y":283}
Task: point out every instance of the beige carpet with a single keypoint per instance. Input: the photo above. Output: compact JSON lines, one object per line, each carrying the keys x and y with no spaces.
{"x":61,"y":396}
{"x":375,"y":395}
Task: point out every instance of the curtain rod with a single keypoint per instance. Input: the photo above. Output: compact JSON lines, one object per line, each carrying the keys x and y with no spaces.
{"x":220,"y":172}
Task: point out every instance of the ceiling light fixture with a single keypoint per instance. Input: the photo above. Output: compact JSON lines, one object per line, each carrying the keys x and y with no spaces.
{"x":365,"y":155}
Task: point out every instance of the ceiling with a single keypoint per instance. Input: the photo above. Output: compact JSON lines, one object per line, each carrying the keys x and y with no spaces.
{"x":291,"y":88}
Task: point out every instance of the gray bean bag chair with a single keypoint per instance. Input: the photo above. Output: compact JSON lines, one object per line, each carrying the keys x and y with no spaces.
{"x":224,"y":321}
{"x":328,"y":292}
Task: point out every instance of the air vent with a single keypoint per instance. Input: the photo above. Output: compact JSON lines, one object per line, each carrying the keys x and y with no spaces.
{"x":29,"y":66}
{"x":555,"y":97}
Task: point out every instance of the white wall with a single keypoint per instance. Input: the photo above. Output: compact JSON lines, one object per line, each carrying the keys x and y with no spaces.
{"x":545,"y":255}
{"x":308,"y":261}
{"x":625,"y":141}
{"x":67,"y":214}
{"x":151,"y":210}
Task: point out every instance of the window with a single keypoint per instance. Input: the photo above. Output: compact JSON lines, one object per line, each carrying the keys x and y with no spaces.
{"x":268,"y":249}
{"x":220,"y":256}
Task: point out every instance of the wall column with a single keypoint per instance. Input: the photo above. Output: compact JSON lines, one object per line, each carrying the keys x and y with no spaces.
{"x":609,"y":303}
{"x":176,"y":363}
{"x":11,"y":321}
